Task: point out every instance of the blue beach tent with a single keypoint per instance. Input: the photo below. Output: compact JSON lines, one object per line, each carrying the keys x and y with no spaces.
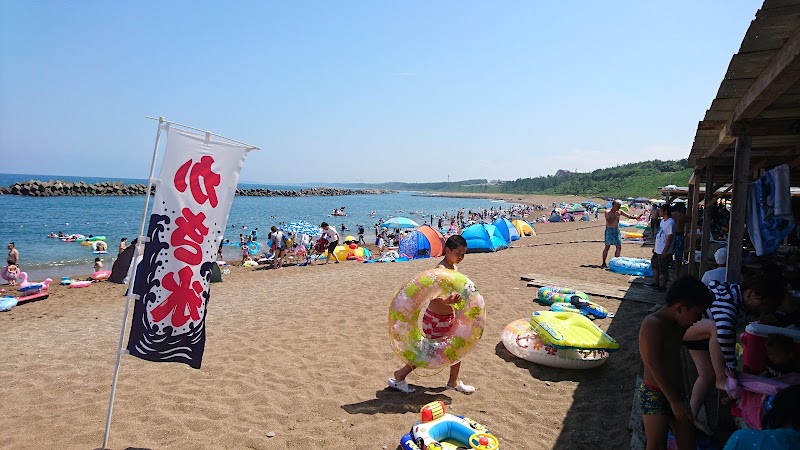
{"x":506,"y":229}
{"x":483,"y":238}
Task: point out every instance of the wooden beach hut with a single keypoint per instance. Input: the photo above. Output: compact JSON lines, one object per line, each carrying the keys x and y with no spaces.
{"x":752,"y":125}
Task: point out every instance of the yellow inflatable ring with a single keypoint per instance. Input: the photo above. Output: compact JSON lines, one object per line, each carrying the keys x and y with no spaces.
{"x":405,"y":319}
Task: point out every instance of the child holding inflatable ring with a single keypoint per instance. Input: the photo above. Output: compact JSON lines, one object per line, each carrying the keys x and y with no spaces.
{"x":438,"y":320}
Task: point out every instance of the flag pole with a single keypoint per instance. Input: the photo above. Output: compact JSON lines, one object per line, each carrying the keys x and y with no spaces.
{"x":208,"y":133}
{"x":131,"y":275}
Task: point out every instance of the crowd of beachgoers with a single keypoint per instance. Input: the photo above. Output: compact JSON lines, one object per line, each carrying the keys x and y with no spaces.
{"x":331,"y":305}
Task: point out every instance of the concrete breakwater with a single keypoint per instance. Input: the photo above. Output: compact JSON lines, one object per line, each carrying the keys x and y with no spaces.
{"x":36,"y":188}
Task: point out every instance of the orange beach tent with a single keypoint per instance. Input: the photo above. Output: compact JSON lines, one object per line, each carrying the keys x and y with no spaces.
{"x":425,"y":242}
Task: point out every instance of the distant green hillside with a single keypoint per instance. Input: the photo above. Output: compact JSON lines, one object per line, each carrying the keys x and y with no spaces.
{"x":627,"y":180}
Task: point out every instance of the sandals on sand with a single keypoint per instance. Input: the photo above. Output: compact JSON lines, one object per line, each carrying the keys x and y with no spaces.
{"x":401,"y":386}
{"x":461,"y":387}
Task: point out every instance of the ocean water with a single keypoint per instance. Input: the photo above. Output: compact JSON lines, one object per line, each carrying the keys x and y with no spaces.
{"x":27,"y":221}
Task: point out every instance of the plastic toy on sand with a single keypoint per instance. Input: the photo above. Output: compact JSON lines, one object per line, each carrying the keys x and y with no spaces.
{"x":578,"y":305}
{"x":553,"y":294}
{"x":439,"y":430}
{"x":6,"y":303}
{"x":28,"y":287}
{"x":565,"y":330}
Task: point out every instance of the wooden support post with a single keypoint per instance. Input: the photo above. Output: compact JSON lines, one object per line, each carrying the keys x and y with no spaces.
{"x":708,"y":201}
{"x":694,"y":199}
{"x":741,"y":172}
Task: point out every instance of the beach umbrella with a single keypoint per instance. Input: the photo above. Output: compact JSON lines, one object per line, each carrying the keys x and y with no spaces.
{"x":302,"y":227}
{"x":400,"y":222}
{"x":642,"y":199}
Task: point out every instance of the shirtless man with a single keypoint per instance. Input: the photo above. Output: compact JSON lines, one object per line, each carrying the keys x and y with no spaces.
{"x":13,"y":255}
{"x":612,"y":236}
{"x":679,"y":216}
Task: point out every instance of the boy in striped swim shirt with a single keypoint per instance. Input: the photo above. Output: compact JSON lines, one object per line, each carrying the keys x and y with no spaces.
{"x":438,"y":319}
{"x":712,"y":341}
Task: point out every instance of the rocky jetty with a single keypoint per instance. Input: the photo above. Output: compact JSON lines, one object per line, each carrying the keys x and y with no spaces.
{"x":36,"y":188}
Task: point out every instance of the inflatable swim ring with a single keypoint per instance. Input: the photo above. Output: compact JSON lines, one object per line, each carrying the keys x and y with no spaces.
{"x":8,"y":276}
{"x":101,"y":275}
{"x":631,"y":266}
{"x":96,"y":238}
{"x":554,"y":294}
{"x":80,"y":284}
{"x":570,"y":331}
{"x":519,"y":338}
{"x":438,"y":430}
{"x":253,"y":247}
{"x":405,"y":319}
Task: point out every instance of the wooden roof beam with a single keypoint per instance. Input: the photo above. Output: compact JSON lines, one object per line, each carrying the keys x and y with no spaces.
{"x":724,"y":140}
{"x":766,"y":127}
{"x":775,"y":79}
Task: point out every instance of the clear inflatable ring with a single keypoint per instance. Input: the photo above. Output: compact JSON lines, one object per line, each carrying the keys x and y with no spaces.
{"x":405,"y":319}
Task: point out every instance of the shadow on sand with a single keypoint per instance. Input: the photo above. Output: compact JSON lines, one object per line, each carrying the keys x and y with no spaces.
{"x":390,"y":401}
{"x":604,"y":394}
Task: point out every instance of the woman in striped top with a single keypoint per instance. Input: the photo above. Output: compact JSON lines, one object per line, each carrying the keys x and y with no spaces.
{"x":712,"y":340}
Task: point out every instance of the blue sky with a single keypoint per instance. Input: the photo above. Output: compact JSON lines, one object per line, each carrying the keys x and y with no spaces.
{"x":345,"y":91}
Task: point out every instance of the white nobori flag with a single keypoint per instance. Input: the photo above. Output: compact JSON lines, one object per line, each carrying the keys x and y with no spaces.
{"x":193,"y":197}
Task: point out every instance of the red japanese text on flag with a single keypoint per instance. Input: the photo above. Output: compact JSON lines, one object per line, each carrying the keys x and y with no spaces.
{"x":198,"y":181}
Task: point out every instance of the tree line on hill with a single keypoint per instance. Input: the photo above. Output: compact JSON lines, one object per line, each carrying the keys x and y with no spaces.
{"x":626,"y":180}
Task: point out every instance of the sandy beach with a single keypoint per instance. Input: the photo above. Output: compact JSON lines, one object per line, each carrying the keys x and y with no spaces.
{"x":525,"y":199}
{"x":303,"y":352}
